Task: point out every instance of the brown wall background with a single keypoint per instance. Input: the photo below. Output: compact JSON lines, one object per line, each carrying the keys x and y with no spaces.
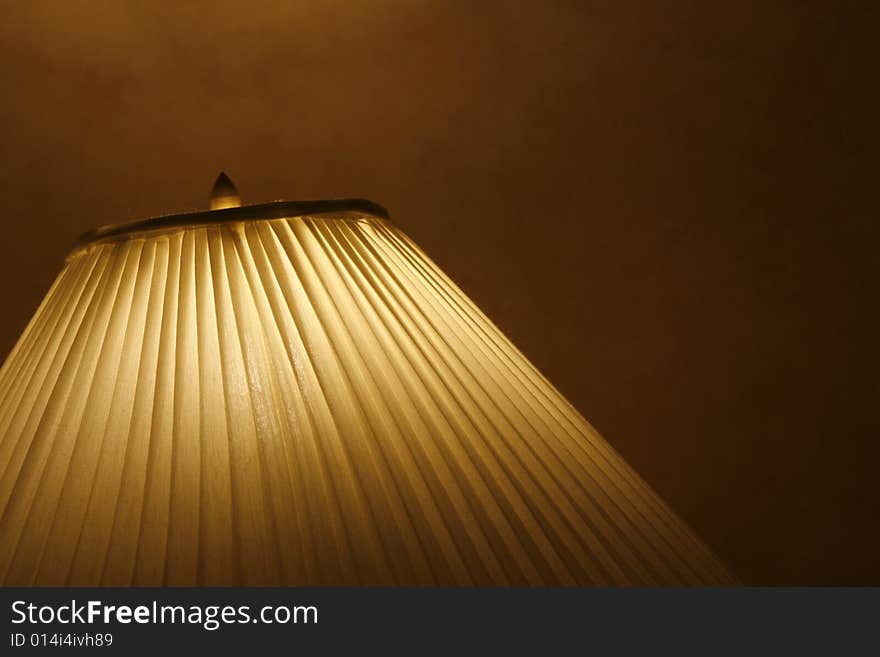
{"x":669,"y":207}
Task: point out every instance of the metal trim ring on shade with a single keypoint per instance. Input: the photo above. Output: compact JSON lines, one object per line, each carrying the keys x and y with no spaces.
{"x":275,"y":210}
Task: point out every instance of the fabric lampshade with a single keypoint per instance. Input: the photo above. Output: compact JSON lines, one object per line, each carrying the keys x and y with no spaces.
{"x":295,"y":394}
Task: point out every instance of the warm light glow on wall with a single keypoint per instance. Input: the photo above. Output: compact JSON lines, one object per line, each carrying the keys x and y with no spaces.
{"x":302,"y":400}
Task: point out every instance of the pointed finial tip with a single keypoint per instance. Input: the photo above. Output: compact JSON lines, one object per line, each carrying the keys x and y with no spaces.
{"x":224,"y":194}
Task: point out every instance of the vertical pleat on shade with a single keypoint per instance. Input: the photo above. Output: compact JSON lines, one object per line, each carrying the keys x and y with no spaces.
{"x":303,"y":400}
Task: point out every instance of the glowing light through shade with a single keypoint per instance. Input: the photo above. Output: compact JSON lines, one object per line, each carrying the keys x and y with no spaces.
{"x":304,"y":400}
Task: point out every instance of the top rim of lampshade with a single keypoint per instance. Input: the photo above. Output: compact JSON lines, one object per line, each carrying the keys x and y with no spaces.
{"x":276,"y":210}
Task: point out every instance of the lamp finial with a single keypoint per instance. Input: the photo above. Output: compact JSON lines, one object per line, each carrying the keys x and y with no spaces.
{"x":224,"y":194}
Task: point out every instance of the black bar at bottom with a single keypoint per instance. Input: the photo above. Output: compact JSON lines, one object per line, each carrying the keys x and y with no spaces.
{"x":412,"y":621}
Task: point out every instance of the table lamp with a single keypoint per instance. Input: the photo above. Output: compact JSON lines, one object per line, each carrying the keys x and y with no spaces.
{"x":293,"y":393}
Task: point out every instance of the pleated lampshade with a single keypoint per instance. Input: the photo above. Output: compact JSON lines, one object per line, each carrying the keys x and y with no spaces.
{"x":295,"y":394}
